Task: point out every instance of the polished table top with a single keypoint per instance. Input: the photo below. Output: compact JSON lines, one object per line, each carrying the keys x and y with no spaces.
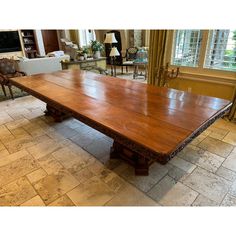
{"x":156,"y":118}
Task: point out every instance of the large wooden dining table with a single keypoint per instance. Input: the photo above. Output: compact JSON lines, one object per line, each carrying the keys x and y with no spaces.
{"x":147,"y":123}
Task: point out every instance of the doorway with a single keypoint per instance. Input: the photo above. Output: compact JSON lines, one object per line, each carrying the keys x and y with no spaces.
{"x":50,"y":40}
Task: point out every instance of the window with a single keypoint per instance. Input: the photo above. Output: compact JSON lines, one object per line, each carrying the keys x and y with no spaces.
{"x":205,"y":49}
{"x":85,"y":37}
{"x":187,"y":45}
{"x":221,"y":51}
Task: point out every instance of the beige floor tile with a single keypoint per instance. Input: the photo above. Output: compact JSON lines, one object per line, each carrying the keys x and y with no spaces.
{"x":162,"y":188}
{"x":230,"y":138}
{"x":55,"y":185}
{"x":36,"y":175}
{"x":20,"y":133}
{"x":62,"y":201}
{"x":35,"y":201}
{"x":198,"y":139}
{"x":5,"y":134}
{"x":25,"y":142}
{"x":82,"y":175}
{"x":1,"y":146}
{"x":16,"y":193}
{"x":208,"y":184}
{"x":229,"y":200}
{"x":199,"y":157}
{"x":230,"y":162}
{"x":182,"y":164}
{"x":44,"y":148}
{"x":17,"y":169}
{"x":131,"y":196}
{"x":204,"y":201}
{"x":93,"y":192}
{"x":226,"y":173}
{"x":217,"y":133}
{"x":17,"y":123}
{"x":70,"y":160}
{"x":34,"y":129}
{"x":176,"y":173}
{"x":6,"y":158}
{"x":5,"y":118}
{"x":216,"y":146}
{"x":178,"y":195}
{"x":49,"y":164}
{"x":145,"y":183}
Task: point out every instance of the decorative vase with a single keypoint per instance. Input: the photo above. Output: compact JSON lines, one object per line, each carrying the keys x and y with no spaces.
{"x":97,"y":55}
{"x":85,"y":56}
{"x":81,"y":58}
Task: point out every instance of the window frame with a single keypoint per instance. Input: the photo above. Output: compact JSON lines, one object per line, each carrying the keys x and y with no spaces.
{"x":199,"y":70}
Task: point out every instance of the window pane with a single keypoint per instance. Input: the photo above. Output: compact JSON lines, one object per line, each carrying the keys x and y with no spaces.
{"x":187,"y":45}
{"x":221,"y":50}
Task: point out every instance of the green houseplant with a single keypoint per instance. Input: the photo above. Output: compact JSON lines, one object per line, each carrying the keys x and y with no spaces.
{"x":96,"y":48}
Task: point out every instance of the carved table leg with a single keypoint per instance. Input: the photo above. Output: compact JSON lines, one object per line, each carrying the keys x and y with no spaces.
{"x":57,"y":115}
{"x":140,"y":163}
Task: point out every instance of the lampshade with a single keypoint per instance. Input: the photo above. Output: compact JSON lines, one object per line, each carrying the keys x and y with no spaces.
{"x":114,"y":52}
{"x":110,"y":38}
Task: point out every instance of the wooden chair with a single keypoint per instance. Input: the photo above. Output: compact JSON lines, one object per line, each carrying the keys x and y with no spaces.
{"x":130,"y":56}
{"x":7,"y":71}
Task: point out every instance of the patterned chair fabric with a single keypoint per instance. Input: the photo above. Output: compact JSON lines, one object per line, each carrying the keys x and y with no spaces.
{"x":7,"y":71}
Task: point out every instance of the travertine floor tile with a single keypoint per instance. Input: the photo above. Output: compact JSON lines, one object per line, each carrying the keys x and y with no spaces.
{"x":230,"y":138}
{"x":130,"y":196}
{"x":35,"y":201}
{"x":49,"y":164}
{"x":5,"y":118}
{"x":226,"y":173}
{"x":16,"y":193}
{"x":162,"y":188}
{"x":216,"y":146}
{"x":25,"y":142}
{"x":229,"y":200}
{"x":182,"y":164}
{"x":36,"y":175}
{"x":17,"y":169}
{"x":217,"y":133}
{"x":1,"y":146}
{"x":208,"y":184}
{"x":17,"y":123}
{"x":44,"y":148}
{"x":93,"y":192}
{"x":82,"y":175}
{"x":62,"y":201}
{"x":6,"y":158}
{"x":204,"y":201}
{"x":55,"y":185}
{"x":70,"y":160}
{"x":5,"y":134}
{"x":20,"y":133}
{"x":176,"y":173}
{"x":230,"y":162}
{"x":144,"y":183}
{"x":178,"y":195}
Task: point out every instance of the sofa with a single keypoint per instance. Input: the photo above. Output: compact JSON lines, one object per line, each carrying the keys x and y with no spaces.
{"x":41,"y":65}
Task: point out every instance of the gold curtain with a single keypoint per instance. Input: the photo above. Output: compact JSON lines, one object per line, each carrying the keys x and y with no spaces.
{"x":157,"y":45}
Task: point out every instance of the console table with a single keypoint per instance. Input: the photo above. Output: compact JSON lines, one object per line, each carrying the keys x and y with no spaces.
{"x":85,"y":64}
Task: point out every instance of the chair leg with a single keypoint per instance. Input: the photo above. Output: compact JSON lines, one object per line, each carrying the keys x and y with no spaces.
{"x":3,"y":89}
{"x":9,"y":86}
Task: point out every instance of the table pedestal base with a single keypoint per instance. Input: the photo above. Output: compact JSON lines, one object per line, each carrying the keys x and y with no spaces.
{"x":140,"y":163}
{"x":57,"y":114}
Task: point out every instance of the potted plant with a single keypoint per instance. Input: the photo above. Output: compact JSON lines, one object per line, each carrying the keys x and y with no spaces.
{"x":85,"y":52}
{"x":96,"y":48}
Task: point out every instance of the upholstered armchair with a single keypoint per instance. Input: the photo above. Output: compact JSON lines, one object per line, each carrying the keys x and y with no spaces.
{"x":7,"y":71}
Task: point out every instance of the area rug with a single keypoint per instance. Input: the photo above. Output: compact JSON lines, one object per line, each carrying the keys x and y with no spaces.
{"x":16,"y":93}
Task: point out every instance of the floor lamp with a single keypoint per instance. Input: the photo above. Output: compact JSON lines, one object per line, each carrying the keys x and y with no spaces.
{"x":110,"y":39}
{"x":114,"y":52}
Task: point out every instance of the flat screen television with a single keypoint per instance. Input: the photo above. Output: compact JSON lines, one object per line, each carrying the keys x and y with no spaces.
{"x":9,"y":41}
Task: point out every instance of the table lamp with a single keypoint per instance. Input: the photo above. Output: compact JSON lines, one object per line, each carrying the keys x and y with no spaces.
{"x":114,"y":52}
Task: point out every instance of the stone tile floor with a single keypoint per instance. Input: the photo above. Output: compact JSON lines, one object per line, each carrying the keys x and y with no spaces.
{"x":67,"y":164}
